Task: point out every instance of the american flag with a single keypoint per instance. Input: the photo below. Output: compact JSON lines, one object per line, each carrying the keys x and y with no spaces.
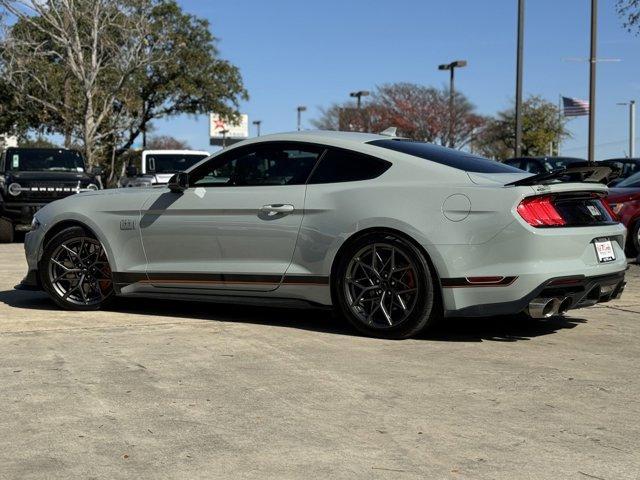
{"x":574,"y":107}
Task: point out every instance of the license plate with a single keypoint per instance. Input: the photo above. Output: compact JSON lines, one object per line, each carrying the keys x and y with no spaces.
{"x":604,"y":250}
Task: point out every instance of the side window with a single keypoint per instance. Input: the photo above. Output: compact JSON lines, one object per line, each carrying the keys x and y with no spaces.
{"x":345,"y":166}
{"x":265,"y":164}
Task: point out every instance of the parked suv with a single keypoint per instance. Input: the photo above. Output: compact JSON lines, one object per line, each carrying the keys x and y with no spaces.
{"x":32,"y":177}
{"x":158,"y":166}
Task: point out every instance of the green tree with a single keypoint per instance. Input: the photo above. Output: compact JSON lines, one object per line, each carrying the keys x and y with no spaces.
{"x":542,"y":127}
{"x":629,"y":12}
{"x":37,"y":142}
{"x":101,"y":70}
{"x":186,"y":74}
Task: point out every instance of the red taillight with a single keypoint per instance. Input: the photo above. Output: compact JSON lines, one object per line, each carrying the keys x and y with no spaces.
{"x":540,"y":212}
{"x":607,"y":207}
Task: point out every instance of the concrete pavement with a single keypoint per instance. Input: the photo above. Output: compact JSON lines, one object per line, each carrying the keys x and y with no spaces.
{"x":169,"y":390}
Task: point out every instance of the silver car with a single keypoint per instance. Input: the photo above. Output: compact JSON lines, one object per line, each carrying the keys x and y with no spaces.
{"x":393,"y":233}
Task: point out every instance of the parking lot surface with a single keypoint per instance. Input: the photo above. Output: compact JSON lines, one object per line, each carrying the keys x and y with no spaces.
{"x":158,"y":389}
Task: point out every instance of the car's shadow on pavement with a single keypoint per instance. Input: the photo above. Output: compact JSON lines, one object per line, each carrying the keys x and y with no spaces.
{"x":503,"y":329}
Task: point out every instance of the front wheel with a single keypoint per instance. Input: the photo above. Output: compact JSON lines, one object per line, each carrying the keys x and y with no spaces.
{"x":383,"y":286}
{"x":75,"y":272}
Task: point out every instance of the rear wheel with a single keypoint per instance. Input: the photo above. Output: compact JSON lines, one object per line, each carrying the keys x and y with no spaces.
{"x":75,"y":272}
{"x":7,"y":232}
{"x":383,"y":286}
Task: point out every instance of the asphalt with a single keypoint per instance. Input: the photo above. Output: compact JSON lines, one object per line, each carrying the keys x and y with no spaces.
{"x":170,"y":390}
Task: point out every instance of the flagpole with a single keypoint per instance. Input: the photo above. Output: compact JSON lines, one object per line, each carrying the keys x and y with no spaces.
{"x":592,"y":81}
{"x":559,"y":123}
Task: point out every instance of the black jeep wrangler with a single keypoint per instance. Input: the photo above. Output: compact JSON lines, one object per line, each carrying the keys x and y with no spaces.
{"x":32,"y":177}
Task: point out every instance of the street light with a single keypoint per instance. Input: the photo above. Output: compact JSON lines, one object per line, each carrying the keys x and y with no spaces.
{"x":519,"y":61}
{"x":632,"y":127}
{"x":451,"y":67}
{"x":257,"y":123}
{"x":224,"y":137}
{"x":358,"y":95}
{"x":301,"y":108}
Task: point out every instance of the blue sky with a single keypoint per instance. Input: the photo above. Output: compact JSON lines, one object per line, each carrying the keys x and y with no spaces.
{"x":314,"y":53}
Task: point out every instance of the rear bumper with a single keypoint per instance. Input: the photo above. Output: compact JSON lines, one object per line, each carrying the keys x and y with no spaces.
{"x":531,"y":257}
{"x":583,"y":292}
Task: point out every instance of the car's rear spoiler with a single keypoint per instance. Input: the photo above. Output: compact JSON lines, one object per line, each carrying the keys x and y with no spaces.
{"x":591,"y":174}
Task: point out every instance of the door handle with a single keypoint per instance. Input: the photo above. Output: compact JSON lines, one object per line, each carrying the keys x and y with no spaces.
{"x":277,"y":208}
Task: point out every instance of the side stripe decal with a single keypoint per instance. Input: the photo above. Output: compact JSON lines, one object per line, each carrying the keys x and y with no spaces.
{"x":126,"y":278}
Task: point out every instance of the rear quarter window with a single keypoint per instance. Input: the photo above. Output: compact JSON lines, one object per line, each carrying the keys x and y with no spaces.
{"x":345,"y":166}
{"x":445,"y":156}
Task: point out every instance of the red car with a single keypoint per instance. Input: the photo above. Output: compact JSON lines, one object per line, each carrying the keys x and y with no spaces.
{"x":624,"y":200}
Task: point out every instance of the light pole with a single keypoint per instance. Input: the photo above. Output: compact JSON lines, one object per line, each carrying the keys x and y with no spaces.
{"x":519,"y":61}
{"x":451,"y":67}
{"x":257,"y":123}
{"x":358,"y":95}
{"x":224,"y":137}
{"x":632,"y":127}
{"x":301,"y":108}
{"x":592,"y":80}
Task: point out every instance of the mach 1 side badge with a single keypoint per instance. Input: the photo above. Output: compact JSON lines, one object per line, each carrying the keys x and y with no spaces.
{"x":127,"y":224}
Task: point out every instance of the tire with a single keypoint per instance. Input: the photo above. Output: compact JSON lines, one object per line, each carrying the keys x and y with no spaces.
{"x":75,"y":272}
{"x":7,"y":232}
{"x":633,"y":243}
{"x":385,"y":298}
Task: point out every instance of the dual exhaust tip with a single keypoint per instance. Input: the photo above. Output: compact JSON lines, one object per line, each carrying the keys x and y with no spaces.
{"x":543,"y":307}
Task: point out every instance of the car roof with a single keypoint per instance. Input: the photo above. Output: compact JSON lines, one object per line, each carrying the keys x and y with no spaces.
{"x":577,"y":159}
{"x":622,"y":160}
{"x":330,"y":137}
{"x":175,"y":152}
{"x":44,"y":149}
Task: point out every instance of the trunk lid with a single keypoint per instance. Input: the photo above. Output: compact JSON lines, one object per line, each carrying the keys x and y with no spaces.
{"x":579,"y":204}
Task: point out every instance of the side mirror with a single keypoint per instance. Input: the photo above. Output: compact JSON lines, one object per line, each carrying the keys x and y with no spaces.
{"x":179,"y":182}
{"x":97,"y":170}
{"x":132,"y":171}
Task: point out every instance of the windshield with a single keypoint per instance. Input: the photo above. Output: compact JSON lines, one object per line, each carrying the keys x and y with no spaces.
{"x":172,"y":162}
{"x":44,"y":160}
{"x":446,"y":156}
{"x":560,"y":163}
{"x":632,"y":182}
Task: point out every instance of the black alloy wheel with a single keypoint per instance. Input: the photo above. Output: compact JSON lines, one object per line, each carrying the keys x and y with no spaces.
{"x":384,"y":286}
{"x":75,"y":271}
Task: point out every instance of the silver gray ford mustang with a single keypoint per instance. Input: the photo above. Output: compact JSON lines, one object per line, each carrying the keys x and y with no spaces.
{"x":392,"y":233}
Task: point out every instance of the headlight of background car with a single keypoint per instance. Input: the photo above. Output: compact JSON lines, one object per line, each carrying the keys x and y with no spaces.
{"x":92,"y":186}
{"x":15,"y":189}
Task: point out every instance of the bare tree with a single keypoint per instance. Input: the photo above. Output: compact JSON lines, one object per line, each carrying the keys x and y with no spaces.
{"x":419,"y":112}
{"x":167,"y":142}
{"x":100,"y":43}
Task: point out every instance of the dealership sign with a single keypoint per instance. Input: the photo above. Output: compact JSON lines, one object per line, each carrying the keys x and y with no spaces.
{"x":224,"y":131}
